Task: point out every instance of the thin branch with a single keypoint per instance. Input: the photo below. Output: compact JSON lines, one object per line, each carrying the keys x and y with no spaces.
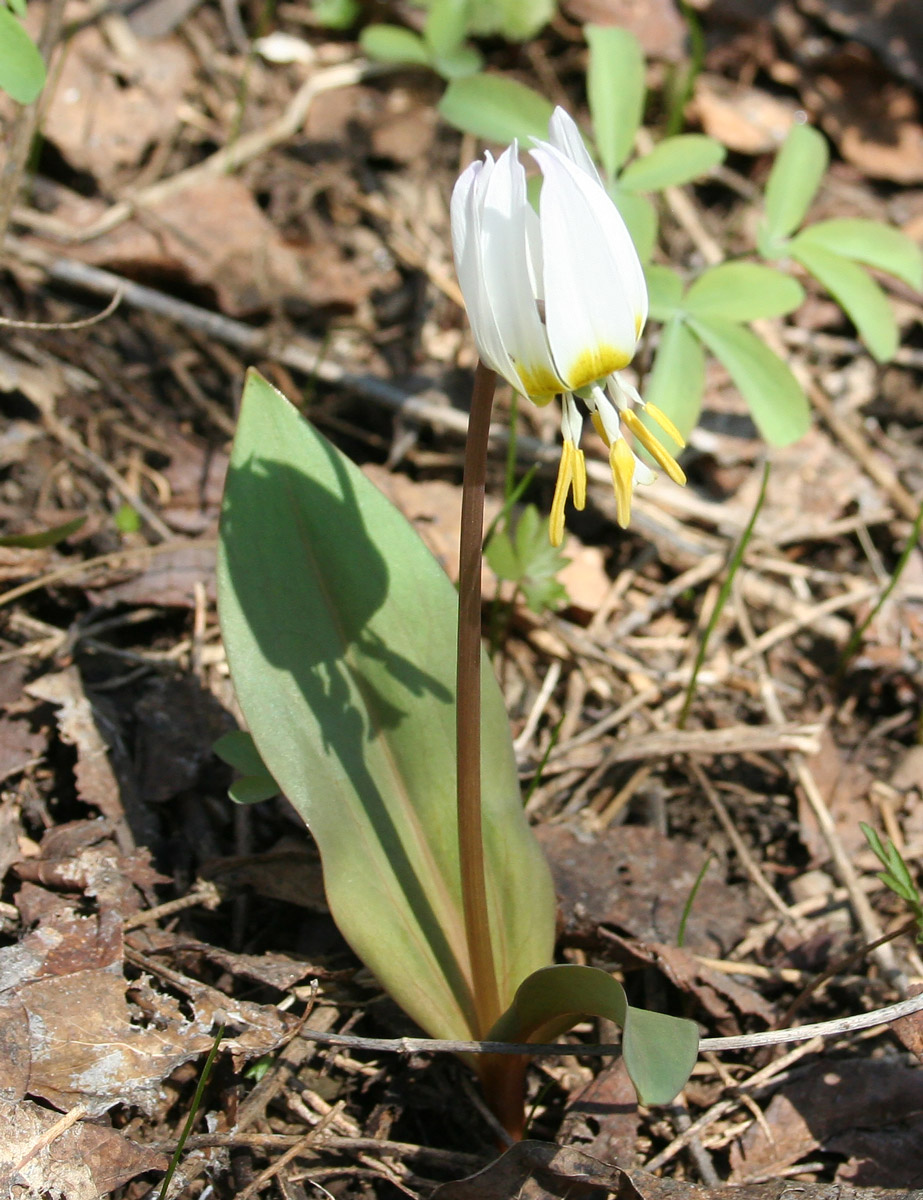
{"x":770,"y":1037}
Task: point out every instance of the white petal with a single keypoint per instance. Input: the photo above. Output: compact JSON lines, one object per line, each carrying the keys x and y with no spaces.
{"x":565,"y":137}
{"x":595,"y":296}
{"x":507,"y":279}
{"x":467,"y":245}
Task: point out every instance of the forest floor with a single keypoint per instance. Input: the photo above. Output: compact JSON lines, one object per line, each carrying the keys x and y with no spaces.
{"x":142,"y":910}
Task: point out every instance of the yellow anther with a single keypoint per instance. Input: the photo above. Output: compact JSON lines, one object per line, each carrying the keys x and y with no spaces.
{"x":561,"y":488}
{"x":622,"y":462}
{"x":579,"y":482}
{"x":655,"y":449}
{"x":599,"y":427}
{"x":665,"y":423}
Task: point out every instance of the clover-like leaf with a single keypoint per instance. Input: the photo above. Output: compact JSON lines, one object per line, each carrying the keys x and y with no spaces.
{"x":677,"y":381}
{"x":856,"y":292}
{"x":394,"y":44}
{"x":22,"y":70}
{"x":740,"y":291}
{"x":794,"y":179}
{"x":496,"y":108}
{"x":870,"y":242}
{"x":673,"y":162}
{"x":615,"y":90}
{"x":776,"y":399}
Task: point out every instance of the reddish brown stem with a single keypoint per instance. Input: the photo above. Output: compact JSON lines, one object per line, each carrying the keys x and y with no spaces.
{"x":468,"y":706}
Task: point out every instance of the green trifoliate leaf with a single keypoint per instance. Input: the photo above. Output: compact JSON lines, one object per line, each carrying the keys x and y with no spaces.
{"x":664,"y":291}
{"x":870,"y":242}
{"x":856,"y":292}
{"x":743,"y":292}
{"x":394,"y":44}
{"x":659,"y":1050}
{"x":676,"y":382}
{"x":22,"y":71}
{"x":496,"y":108}
{"x":238,"y":750}
{"x":794,"y":179}
{"x":777,"y":402}
{"x":615,"y":89}
{"x":673,"y":162}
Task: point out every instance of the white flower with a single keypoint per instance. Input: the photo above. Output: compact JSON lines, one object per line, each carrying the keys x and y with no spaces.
{"x":557,"y":302}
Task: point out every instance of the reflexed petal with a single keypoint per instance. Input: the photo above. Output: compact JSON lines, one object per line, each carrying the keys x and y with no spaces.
{"x":564,"y":136}
{"x":595,"y":296}
{"x":505,"y":267}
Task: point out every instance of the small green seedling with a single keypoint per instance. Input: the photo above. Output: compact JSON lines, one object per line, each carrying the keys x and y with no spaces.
{"x":896,"y":874}
{"x":526,"y":559}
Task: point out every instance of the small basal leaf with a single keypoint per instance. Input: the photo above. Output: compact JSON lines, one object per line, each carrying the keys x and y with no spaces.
{"x":870,"y":242}
{"x":43,"y":538}
{"x":496,"y":108}
{"x":740,"y":291}
{"x":615,"y":89}
{"x":394,"y":44}
{"x":673,"y":162}
{"x":856,"y":292}
{"x":659,"y":1050}
{"x":793,"y":180}
{"x":22,"y":71}
{"x":664,"y":291}
{"x":340,"y":631}
{"x":777,"y":402}
{"x":676,"y":381}
{"x":239,"y":751}
{"x":253,"y":789}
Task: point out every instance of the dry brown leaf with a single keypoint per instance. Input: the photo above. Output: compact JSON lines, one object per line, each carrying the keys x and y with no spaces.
{"x":540,"y":1171}
{"x":831,"y":1101}
{"x":96,"y":781}
{"x":108,"y":109}
{"x":83,"y":1162}
{"x":746,"y":119}
{"x":635,"y":880}
{"x":656,"y":24}
{"x":603,"y":1117}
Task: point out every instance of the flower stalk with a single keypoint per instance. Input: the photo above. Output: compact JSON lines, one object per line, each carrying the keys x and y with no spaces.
{"x":468,"y":706}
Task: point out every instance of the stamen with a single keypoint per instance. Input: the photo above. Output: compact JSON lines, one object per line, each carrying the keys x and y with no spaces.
{"x":622,"y":462}
{"x":665,"y":423}
{"x":579,"y":483}
{"x":655,"y":449}
{"x":561,"y":488}
{"x":600,"y":428}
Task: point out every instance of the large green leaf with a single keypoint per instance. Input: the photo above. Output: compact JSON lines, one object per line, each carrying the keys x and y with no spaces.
{"x":339,"y":627}
{"x":793,"y":180}
{"x":677,"y":381}
{"x":870,"y":242}
{"x":659,"y":1050}
{"x":856,"y":292}
{"x":496,"y":108}
{"x":22,"y":71}
{"x":740,"y":291}
{"x":776,"y":399}
{"x":615,"y":89}
{"x":672,"y":162}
